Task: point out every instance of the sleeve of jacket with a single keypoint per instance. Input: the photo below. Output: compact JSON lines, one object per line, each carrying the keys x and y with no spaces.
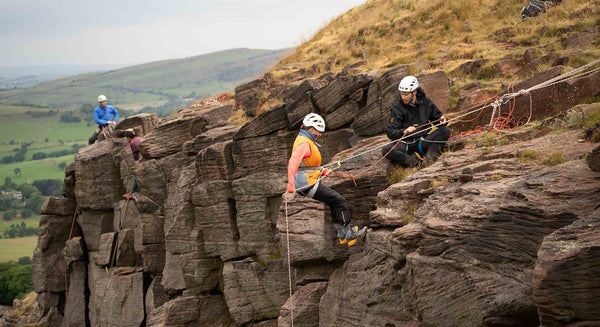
{"x":98,"y":118}
{"x":395,"y":129}
{"x":115,"y":114}
{"x":434,"y":111}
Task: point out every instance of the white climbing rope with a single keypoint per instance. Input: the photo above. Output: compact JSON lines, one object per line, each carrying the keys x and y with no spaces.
{"x":287,"y":234}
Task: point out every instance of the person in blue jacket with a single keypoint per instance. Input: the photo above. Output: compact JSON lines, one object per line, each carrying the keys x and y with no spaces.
{"x":104,"y":115}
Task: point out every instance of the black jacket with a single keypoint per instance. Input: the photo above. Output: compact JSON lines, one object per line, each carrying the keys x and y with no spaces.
{"x":403,"y":116}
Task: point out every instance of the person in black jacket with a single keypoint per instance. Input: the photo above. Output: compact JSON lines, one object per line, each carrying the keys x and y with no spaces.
{"x":408,"y":115}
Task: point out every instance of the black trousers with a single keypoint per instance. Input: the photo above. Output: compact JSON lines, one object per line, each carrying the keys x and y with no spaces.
{"x":93,"y":138}
{"x":337,"y":203}
{"x":401,"y":154}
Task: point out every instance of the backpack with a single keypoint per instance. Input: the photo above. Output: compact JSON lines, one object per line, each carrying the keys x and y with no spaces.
{"x":534,"y":8}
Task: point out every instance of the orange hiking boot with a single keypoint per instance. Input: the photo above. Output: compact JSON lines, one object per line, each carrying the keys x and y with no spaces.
{"x":354,"y":233}
{"x":341,"y":233}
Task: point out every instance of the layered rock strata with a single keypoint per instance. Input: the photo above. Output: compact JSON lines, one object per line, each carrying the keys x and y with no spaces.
{"x":205,"y":241}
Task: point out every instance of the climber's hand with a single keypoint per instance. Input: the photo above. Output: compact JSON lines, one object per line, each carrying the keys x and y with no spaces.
{"x":289,"y":196}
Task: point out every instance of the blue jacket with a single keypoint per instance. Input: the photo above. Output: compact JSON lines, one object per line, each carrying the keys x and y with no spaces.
{"x":103,"y":115}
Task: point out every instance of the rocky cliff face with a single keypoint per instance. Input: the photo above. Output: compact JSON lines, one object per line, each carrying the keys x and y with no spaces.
{"x":482,"y":237}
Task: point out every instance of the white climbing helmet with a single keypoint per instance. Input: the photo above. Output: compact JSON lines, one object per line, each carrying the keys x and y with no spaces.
{"x":314,"y":120}
{"x":101,"y":98}
{"x":408,"y":84}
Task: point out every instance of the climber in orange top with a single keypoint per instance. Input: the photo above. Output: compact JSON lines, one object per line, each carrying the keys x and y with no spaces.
{"x":305,"y":180}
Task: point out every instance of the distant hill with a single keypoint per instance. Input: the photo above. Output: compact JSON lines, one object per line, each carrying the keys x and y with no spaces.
{"x":21,"y":76}
{"x":153,"y":84}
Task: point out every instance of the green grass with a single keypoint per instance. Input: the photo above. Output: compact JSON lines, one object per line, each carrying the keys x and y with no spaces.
{"x":30,"y":222}
{"x":410,"y":214}
{"x":555,"y":158}
{"x":37,"y":169}
{"x":39,"y":148}
{"x":399,"y":173}
{"x":525,"y":156}
{"x":14,"y":248}
{"x":24,"y":128}
{"x":18,"y":110}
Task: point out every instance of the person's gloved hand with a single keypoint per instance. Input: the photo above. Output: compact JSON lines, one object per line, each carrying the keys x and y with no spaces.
{"x":443,"y":121}
{"x":326,"y":172}
{"x":288,"y":196}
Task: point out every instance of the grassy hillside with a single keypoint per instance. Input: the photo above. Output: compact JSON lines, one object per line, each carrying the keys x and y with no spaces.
{"x":150,"y":85}
{"x":441,"y":35}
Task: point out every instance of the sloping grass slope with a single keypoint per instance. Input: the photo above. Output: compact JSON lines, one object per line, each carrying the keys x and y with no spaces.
{"x":442,"y":34}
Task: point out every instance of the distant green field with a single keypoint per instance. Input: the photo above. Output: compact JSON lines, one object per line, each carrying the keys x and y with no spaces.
{"x":36,"y":169}
{"x":30,"y":222}
{"x":18,"y":110}
{"x":14,"y":248}
{"x":24,"y":128}
{"x":40,"y":148}
{"x":150,"y":84}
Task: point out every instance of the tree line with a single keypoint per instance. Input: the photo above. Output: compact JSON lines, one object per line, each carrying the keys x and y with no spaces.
{"x":20,"y":155}
{"x":19,"y":230}
{"x":15,"y":280}
{"x":32,"y":197}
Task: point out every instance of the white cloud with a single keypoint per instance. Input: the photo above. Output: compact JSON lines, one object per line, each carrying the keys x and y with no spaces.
{"x":115,"y":32}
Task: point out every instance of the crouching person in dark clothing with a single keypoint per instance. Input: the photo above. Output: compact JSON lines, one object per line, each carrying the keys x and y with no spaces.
{"x":408,"y":115}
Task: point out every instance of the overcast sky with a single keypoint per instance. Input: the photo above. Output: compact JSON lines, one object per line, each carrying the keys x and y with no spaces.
{"x":111,"y":32}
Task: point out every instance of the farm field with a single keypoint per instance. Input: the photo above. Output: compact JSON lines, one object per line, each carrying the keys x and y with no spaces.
{"x":14,"y":248}
{"x":36,"y":169}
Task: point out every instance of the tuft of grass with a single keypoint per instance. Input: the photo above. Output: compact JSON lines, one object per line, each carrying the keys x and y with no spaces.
{"x":578,"y":61}
{"x":490,"y":139}
{"x":272,"y":257}
{"x":27,"y":306}
{"x":525,"y":156}
{"x":502,"y":141}
{"x":592,"y":99}
{"x":591,"y":119}
{"x":238,"y":118}
{"x":399,"y":173}
{"x":496,"y":177}
{"x":555,"y":158}
{"x":410,"y":214}
{"x":485,"y":152}
{"x":439,"y":182}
